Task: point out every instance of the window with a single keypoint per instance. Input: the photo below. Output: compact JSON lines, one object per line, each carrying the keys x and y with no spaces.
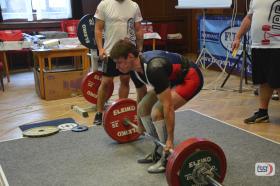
{"x":52,"y":9}
{"x":36,"y":9}
{"x":16,"y":9}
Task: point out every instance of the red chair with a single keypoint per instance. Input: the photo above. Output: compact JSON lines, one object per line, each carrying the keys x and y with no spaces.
{"x":2,"y":75}
{"x":70,"y":26}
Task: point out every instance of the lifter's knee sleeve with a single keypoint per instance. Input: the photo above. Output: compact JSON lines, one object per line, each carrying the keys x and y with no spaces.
{"x":161,"y":130}
{"x":149,"y":126}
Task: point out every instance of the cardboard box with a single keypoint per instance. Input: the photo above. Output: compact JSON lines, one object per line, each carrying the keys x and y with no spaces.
{"x":60,"y":84}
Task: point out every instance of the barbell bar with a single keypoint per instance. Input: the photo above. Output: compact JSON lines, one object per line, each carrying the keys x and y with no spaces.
{"x":128,"y":122}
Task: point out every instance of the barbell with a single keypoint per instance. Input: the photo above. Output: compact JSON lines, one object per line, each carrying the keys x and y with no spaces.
{"x":195,"y":161}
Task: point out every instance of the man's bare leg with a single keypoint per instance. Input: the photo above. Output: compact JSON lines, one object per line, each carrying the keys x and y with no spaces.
{"x":103,"y":89}
{"x":161,"y":130}
{"x":265,"y":95}
{"x":145,"y":123}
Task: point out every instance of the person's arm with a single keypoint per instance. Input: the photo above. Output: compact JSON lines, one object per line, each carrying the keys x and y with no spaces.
{"x":245,"y":26}
{"x":141,"y":92}
{"x":169,"y":116}
{"x":139,"y":36}
{"x":99,"y":27}
{"x":141,"y":88}
{"x":138,"y":29}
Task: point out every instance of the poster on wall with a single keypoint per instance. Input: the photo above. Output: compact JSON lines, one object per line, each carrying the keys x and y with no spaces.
{"x":219,"y":35}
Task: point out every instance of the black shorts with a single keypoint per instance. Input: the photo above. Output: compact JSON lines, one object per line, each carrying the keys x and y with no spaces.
{"x":266,"y":66}
{"x":109,"y":69}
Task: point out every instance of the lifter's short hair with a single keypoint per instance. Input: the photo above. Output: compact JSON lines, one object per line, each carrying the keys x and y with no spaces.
{"x":122,"y":48}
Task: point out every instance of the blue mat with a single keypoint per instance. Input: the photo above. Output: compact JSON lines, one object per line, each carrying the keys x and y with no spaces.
{"x":47,"y":123}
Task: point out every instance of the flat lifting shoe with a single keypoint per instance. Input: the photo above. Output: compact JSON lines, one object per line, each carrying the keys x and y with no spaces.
{"x":98,"y":118}
{"x":158,"y":167}
{"x":150,"y":158}
{"x":257,"y":118}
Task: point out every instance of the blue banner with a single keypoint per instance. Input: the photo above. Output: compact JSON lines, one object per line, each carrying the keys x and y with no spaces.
{"x":219,"y":36}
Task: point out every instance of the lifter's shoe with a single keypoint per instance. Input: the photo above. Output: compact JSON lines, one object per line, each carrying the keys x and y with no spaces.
{"x":258,"y":117}
{"x":158,"y":167}
{"x":98,"y":118}
{"x":150,"y":158}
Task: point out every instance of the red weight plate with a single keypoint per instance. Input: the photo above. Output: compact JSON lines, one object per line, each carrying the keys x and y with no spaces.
{"x":90,"y":85}
{"x":266,"y":28}
{"x":114,"y":117}
{"x":184,"y":150}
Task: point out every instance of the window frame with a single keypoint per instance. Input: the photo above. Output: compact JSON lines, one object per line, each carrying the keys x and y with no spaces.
{"x":25,"y":21}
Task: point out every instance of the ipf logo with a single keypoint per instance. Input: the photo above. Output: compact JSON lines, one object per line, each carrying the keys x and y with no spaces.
{"x":265,"y":169}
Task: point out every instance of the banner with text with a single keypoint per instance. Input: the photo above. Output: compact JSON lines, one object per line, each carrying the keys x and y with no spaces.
{"x":219,"y":36}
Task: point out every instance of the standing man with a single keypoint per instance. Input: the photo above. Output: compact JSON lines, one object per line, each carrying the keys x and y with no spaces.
{"x":263,"y":18}
{"x":175,"y":81}
{"x":118,"y":19}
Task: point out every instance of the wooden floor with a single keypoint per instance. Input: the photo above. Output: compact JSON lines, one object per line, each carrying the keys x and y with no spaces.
{"x":19,"y":105}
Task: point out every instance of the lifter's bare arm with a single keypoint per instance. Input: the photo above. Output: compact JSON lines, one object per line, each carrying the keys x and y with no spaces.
{"x":141,"y":92}
{"x":98,"y":31}
{"x":165,"y":99}
{"x":139,"y":36}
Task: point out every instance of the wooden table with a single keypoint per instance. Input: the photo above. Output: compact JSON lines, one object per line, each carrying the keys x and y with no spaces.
{"x":42,"y":54}
{"x":153,"y":36}
{"x":5,"y":61}
{"x":11,"y":46}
